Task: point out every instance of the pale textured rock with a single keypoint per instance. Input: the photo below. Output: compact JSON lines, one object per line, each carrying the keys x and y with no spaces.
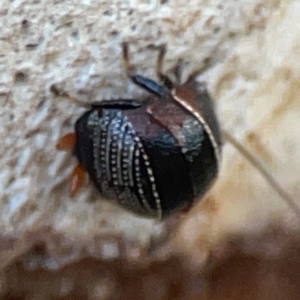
{"x":253,"y":77}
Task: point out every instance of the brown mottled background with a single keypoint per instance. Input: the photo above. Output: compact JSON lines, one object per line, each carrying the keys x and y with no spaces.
{"x":241,"y":242}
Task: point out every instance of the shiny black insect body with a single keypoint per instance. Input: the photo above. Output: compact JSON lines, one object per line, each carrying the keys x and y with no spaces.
{"x":153,"y":156}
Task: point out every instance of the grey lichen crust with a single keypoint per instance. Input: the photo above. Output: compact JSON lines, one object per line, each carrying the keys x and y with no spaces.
{"x":252,"y":73}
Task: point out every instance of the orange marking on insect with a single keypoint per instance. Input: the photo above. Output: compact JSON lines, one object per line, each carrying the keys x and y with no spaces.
{"x":67,"y":142}
{"x":77,"y":179}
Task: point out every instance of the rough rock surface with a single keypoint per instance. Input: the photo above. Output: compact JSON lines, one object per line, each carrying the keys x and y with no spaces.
{"x":55,"y":247}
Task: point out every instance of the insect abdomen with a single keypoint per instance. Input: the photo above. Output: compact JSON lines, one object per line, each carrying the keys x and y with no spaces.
{"x":114,"y":157}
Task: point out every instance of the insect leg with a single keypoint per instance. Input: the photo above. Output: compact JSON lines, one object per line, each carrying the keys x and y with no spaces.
{"x":144,"y":82}
{"x":78,"y":178}
{"x":167,"y":82}
{"x":67,"y":142}
{"x":61,"y":93}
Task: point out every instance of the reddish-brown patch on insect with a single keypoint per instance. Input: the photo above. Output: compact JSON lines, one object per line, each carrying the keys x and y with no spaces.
{"x":67,"y":142}
{"x":197,"y":102}
{"x":78,"y":176}
{"x":186,"y":93}
{"x":170,"y":116}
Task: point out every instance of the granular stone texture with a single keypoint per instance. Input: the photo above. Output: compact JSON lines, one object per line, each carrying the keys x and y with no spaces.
{"x":51,"y":245}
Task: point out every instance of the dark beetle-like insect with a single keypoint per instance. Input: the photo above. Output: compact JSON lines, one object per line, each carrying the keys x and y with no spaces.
{"x":153,"y":156}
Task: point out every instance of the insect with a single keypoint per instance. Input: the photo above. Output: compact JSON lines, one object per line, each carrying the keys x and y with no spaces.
{"x":154,"y":156}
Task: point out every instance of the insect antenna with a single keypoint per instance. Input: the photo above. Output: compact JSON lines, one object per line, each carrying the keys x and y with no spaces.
{"x":167,"y":82}
{"x":129,"y":68}
{"x":257,"y":164}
